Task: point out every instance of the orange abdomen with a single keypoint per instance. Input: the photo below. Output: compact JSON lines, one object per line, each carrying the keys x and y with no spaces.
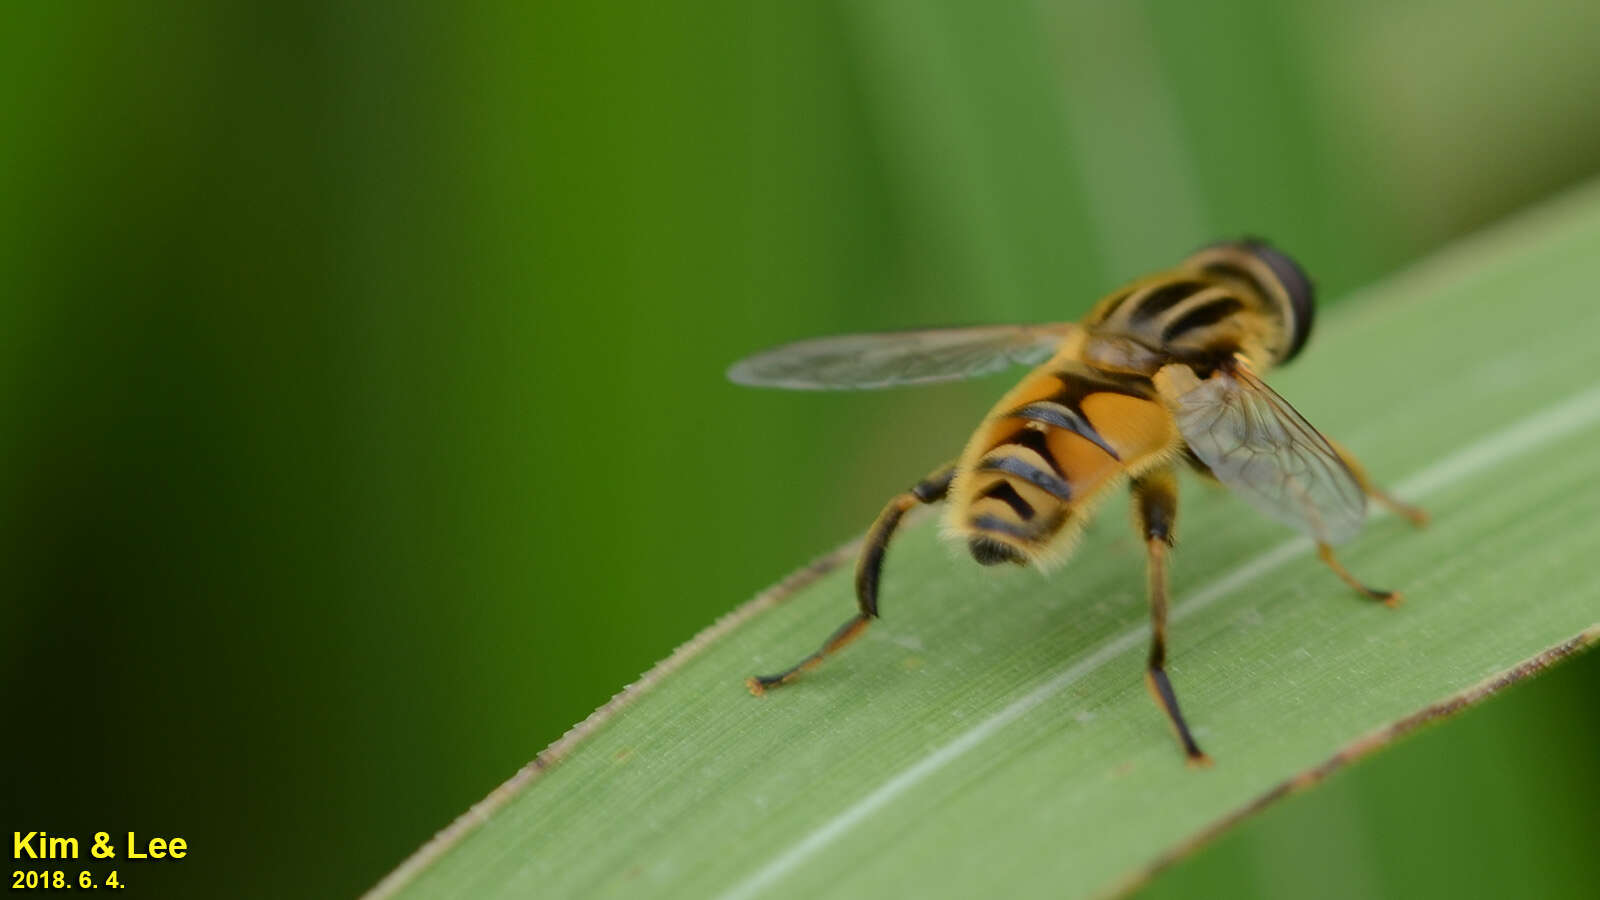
{"x":1052,"y":446}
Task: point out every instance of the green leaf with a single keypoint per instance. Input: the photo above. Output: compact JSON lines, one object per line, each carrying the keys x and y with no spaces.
{"x":992,"y":734}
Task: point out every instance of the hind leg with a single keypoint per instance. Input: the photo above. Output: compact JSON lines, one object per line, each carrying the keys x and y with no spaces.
{"x":869,"y":568}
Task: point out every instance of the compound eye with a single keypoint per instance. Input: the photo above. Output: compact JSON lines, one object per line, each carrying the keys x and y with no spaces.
{"x":1302,"y":295}
{"x":1292,"y":282}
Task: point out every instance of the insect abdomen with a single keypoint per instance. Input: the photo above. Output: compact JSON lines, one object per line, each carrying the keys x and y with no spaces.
{"x":1048,"y":450}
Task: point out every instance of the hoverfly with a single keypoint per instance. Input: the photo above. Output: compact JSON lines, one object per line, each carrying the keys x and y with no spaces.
{"x":1163,"y":372}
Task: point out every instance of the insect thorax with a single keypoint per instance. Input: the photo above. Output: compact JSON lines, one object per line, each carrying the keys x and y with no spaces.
{"x":1188,"y":317}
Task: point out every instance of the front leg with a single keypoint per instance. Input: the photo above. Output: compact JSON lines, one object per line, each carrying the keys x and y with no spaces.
{"x":1417,"y":515}
{"x":1155,"y":512}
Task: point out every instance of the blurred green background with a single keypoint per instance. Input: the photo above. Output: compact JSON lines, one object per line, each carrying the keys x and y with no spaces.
{"x":363,"y":423}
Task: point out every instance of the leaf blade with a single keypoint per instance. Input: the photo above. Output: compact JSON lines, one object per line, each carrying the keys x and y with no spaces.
{"x":699,"y":790}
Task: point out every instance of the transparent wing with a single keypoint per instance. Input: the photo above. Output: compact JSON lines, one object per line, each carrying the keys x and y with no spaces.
{"x":1257,"y":445}
{"x":890,"y":359}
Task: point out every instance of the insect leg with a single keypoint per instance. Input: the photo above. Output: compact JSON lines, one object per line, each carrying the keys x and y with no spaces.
{"x":1155,"y":510}
{"x":869,"y":567}
{"x":1417,"y":515}
{"x":1389,"y":598}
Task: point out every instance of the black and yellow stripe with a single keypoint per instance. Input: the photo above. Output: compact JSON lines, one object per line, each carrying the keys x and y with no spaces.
{"x":1046,"y":452}
{"x":1216,"y":303}
{"x":1071,"y":429}
{"x":1091,"y":418}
